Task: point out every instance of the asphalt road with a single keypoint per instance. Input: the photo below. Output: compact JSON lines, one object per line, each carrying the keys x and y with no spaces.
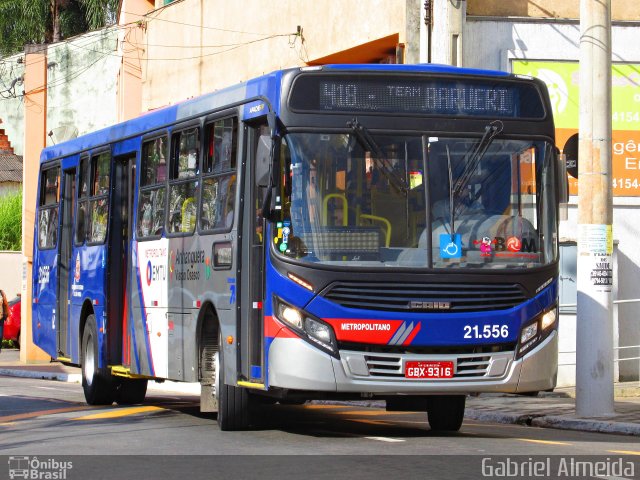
{"x":50,"y":420}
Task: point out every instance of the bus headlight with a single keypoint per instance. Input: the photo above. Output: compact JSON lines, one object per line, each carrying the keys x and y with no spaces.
{"x":529,"y":332}
{"x":534,"y":333}
{"x":548,"y":319}
{"x":309,"y":328}
{"x":290,"y":315}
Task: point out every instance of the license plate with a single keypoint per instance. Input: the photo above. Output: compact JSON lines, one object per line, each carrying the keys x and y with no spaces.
{"x":428,"y":369}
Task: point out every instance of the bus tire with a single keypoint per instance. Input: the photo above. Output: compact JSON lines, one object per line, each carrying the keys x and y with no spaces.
{"x":131,"y":391}
{"x":97,"y":384}
{"x":446,"y":412}
{"x":234,"y":403}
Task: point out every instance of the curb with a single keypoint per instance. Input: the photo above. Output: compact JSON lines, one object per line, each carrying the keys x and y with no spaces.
{"x":587,"y":425}
{"x":555,"y":421}
{"x":166,"y":386}
{"x":60,"y":377}
{"x":496,"y":417}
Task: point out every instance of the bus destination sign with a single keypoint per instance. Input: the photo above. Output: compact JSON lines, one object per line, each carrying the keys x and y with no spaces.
{"x":427,"y":96}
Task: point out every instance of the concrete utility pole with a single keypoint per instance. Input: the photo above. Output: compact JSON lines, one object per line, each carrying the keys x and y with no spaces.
{"x":594,"y":340}
{"x":446,"y":37}
{"x":35,"y":134}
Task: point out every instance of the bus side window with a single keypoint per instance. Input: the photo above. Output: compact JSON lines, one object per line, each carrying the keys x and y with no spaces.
{"x":219,"y":179}
{"x":83,"y":205}
{"x":183,"y":182}
{"x":48,"y":208}
{"x":152,"y":197}
{"x":99,"y":201}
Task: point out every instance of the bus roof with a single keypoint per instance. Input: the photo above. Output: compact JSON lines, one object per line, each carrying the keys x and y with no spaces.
{"x":420,"y":67}
{"x":266,"y":87}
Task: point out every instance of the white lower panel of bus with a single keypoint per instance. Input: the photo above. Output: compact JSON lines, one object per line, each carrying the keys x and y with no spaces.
{"x":157,"y":325}
{"x":295,"y":364}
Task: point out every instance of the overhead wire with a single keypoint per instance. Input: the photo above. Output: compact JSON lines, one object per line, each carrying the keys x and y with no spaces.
{"x":100,"y":37}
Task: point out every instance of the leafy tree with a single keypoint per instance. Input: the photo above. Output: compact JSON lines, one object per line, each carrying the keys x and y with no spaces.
{"x":11,"y":221}
{"x":47,"y":21}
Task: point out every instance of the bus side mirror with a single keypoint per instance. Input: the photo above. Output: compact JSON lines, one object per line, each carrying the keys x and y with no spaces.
{"x":266,"y":174}
{"x":563,"y":186}
{"x":263,"y":161}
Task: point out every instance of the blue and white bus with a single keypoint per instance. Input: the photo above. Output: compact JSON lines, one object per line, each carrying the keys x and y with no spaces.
{"x":336,"y":232}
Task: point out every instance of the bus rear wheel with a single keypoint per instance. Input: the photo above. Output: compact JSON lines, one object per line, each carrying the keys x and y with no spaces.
{"x":234,"y":403}
{"x":446,"y":412}
{"x":131,"y":391}
{"x":97,"y":384}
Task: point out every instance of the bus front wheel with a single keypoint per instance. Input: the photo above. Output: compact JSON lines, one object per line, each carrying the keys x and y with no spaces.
{"x":97,"y":384}
{"x":446,"y":412}
{"x":234,"y":403}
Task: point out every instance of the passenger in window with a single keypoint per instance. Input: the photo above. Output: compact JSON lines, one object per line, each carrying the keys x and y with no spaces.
{"x":226,"y":150}
{"x":43,"y":228}
{"x":188,"y":213}
{"x":82,"y":218}
{"x":231,"y":196}
{"x":159,"y":160}
{"x":52,"y":237}
{"x":99,"y":221}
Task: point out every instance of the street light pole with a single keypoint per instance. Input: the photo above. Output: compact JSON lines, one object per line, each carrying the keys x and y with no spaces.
{"x":594,"y":338}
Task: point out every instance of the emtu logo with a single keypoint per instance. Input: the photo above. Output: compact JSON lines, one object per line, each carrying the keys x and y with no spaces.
{"x":149,"y":273}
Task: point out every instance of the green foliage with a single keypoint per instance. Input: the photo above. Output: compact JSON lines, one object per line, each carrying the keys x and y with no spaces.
{"x":21,"y":22}
{"x":9,"y":344}
{"x":44,"y":21}
{"x":11,"y":221}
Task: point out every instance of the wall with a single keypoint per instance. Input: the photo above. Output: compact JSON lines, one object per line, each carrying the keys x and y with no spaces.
{"x":9,"y":187}
{"x":196,"y":46}
{"x":82,"y":76}
{"x":11,"y":107}
{"x":620,"y":9}
{"x":493,"y":43}
{"x":11,"y":268}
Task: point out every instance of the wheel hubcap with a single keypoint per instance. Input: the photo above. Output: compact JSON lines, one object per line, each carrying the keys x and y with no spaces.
{"x":216,"y":373}
{"x":89,"y":362}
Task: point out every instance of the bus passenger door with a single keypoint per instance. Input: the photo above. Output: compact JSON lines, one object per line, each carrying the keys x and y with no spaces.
{"x":252,"y":291}
{"x":64,"y":263}
{"x":119,"y":257}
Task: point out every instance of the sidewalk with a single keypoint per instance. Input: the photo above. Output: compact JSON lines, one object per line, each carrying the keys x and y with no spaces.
{"x":11,"y":366}
{"x":551,"y":410}
{"x":557,"y":410}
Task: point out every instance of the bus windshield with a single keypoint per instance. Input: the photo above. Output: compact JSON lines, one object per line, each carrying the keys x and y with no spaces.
{"x":416,"y":201}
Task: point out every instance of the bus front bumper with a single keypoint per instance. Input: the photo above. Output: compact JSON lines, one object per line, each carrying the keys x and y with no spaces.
{"x":295,"y":364}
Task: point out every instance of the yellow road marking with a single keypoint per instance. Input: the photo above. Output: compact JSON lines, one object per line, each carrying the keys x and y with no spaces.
{"x":625,"y":452}
{"x":40,"y":413}
{"x":411,"y":422}
{"x":545,"y":442}
{"x":372,"y":413}
{"x":369,"y":422}
{"x":119,"y":412}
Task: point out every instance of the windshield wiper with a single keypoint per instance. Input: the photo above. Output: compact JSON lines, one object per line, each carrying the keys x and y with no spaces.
{"x":367,"y":142}
{"x":471,"y":160}
{"x":451,"y":206}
